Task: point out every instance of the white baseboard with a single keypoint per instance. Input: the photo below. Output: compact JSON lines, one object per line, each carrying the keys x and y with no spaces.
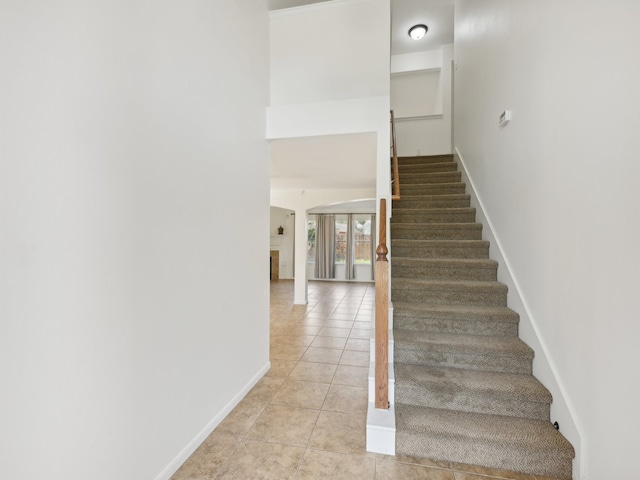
{"x":543,"y":366}
{"x":191,"y":447}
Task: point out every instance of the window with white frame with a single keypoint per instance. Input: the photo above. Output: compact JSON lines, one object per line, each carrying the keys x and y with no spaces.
{"x":361,"y":238}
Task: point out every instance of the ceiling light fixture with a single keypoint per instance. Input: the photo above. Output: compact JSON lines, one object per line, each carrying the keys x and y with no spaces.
{"x":418,"y":31}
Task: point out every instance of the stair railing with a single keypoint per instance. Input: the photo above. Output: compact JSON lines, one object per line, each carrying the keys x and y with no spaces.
{"x":395,"y":178}
{"x":382,"y":313}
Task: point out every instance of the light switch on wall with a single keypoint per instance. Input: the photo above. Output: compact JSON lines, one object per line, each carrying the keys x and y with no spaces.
{"x":505,"y":117}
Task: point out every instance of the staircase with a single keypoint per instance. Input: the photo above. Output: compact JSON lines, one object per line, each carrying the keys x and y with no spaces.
{"x":464,"y":391}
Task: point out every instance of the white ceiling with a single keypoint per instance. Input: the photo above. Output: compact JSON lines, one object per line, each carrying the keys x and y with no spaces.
{"x":348,"y":161}
{"x":325,"y":162}
{"x":436,"y":14}
{"x":356,"y":206}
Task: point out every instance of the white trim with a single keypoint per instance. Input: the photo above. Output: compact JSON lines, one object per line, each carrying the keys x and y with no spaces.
{"x":381,"y":430}
{"x":381,"y":424}
{"x":276,"y":240}
{"x":315,"y":7}
{"x":419,"y":117}
{"x":543,"y":366}
{"x":401,"y":73}
{"x":191,"y":447}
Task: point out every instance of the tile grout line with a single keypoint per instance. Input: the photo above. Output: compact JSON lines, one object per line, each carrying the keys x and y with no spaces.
{"x":306,"y":449}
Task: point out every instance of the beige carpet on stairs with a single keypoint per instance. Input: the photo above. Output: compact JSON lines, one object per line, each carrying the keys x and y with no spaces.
{"x":464,"y":390}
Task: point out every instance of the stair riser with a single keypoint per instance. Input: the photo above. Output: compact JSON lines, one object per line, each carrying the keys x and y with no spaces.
{"x":407,"y":170}
{"x":430,"y":178}
{"x":455,"y":188}
{"x":402,"y":161}
{"x":464,"y":450}
{"x":445,"y":217}
{"x":444,"y":273}
{"x":459,"y":327}
{"x":433,"y":396}
{"x":451,"y":297}
{"x":435,"y":232}
{"x":425,"y":251}
{"x":440,"y":357}
{"x":433,"y":202}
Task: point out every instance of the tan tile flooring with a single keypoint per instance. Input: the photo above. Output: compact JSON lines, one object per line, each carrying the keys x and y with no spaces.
{"x":306,"y":418}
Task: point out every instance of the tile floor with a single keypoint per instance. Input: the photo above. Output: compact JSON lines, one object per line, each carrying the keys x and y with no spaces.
{"x":306,"y":418}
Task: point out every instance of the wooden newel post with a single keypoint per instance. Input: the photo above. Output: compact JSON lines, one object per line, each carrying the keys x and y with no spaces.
{"x":382,"y":313}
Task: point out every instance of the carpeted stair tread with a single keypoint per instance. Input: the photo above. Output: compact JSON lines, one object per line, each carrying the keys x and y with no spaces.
{"x":450,"y":200}
{"x":446,"y":268}
{"x":434,"y":215}
{"x":456,"y":319}
{"x":471,"y":262}
{"x":452,"y":243}
{"x":428,"y":321}
{"x":431,"y":196}
{"x":473,"y":285}
{"x":398,"y":212}
{"x":423,"y":159}
{"x":427,"y":178}
{"x":495,"y":354}
{"x":405,"y":170}
{"x":472,"y":391}
{"x":458,"y":292}
{"x":495,"y":441}
{"x":444,"y":188}
{"x":436,"y":231}
{"x":464,"y":343}
{"x":457,"y":312}
{"x":440,"y":248}
{"x":471,"y":352}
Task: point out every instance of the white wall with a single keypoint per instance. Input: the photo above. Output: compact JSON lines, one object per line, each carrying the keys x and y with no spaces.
{"x":283,"y":243}
{"x":559,"y":186}
{"x":330,"y":51}
{"x":127,"y":129}
{"x":415,"y":94}
{"x":412,"y":62}
{"x":421,"y":101}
